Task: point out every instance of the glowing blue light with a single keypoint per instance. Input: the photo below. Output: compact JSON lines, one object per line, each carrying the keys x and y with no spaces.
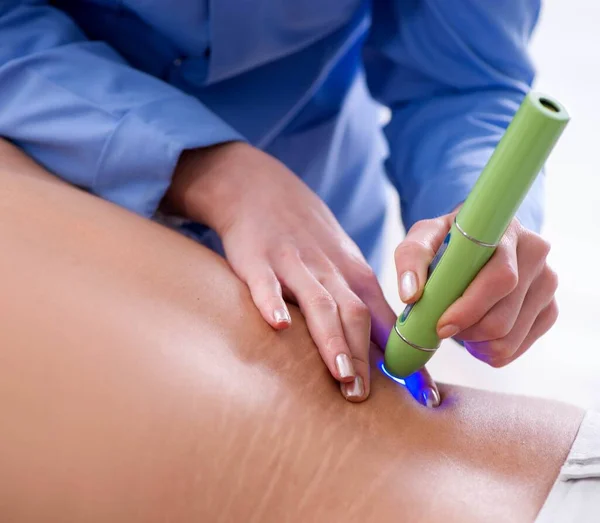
{"x":415,"y":383}
{"x":386,"y":372}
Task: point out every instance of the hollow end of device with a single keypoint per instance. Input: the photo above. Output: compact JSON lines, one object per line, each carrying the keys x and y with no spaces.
{"x":549,"y":106}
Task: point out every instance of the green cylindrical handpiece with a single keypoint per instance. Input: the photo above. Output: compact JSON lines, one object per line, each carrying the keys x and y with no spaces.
{"x":477,"y":229}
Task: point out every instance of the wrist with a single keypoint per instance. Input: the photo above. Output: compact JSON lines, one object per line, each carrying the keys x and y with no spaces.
{"x":202,"y":188}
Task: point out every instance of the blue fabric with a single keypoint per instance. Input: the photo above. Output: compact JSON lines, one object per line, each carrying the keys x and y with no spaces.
{"x":108,"y":93}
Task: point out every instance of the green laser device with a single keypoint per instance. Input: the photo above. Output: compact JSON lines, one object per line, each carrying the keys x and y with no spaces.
{"x":477,"y":229}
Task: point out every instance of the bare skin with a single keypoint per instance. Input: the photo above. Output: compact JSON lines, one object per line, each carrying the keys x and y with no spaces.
{"x":283,"y":242}
{"x":136,"y":387}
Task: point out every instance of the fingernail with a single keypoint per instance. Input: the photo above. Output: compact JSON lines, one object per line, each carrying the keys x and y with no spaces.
{"x":344,"y":366}
{"x":354,"y":389}
{"x":448,"y":331}
{"x":408,"y":285}
{"x":281,"y":316}
{"x":431,"y":398}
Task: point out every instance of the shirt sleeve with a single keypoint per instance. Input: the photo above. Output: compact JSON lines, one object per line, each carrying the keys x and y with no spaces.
{"x":453,"y":75}
{"x":80,"y":110}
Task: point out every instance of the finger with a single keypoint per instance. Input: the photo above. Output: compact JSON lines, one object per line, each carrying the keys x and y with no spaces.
{"x":543,"y":323}
{"x":420,"y":384}
{"x":266,"y":294}
{"x":356,"y":323}
{"x":363,"y":281}
{"x":423,"y":388}
{"x":415,"y":253}
{"x":495,"y":297}
{"x":498,"y":278}
{"x":531,"y":255}
{"x":538,"y":298}
{"x":322,"y":319}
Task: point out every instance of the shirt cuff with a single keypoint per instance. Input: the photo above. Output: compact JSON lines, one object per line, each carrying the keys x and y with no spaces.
{"x":141,"y":154}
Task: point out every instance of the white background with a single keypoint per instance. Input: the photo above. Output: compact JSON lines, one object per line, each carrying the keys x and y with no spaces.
{"x":565,"y":364}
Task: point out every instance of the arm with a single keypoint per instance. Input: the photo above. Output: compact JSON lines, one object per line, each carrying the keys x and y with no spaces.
{"x":129,"y":394}
{"x":82,"y":112}
{"x":453,"y":74}
{"x":79,"y":109}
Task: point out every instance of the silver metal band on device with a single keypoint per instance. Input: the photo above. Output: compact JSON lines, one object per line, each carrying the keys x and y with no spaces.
{"x":474,"y":240}
{"x":418,"y":347}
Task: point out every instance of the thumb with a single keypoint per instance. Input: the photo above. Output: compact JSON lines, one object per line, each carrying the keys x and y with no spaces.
{"x":415,"y":253}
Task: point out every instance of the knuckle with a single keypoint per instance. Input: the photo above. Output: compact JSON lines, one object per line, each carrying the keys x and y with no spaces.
{"x":544,"y":247}
{"x":493,"y":327}
{"x":263,"y":281}
{"x":423,"y":225}
{"x":498,"y":363}
{"x":500,"y":352}
{"x":411,"y":249}
{"x":552,"y":278}
{"x":516,"y":225}
{"x":335,"y":343}
{"x":402,"y":250}
{"x":508,"y":277}
{"x":537,"y":246}
{"x":553,"y":313}
{"x":322,"y":300}
{"x":255,"y":281}
{"x":311,"y":254}
{"x":349,"y":246}
{"x":287,"y":252}
{"x":356,"y":310}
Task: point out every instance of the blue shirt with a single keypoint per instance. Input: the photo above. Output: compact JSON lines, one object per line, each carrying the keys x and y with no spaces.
{"x":108,"y":93}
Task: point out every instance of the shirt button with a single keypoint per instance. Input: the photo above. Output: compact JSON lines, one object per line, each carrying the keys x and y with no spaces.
{"x":177,"y":62}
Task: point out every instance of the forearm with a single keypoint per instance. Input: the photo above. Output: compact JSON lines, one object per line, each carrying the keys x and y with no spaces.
{"x":453,"y":75}
{"x":139,"y":383}
{"x":446,"y":143}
